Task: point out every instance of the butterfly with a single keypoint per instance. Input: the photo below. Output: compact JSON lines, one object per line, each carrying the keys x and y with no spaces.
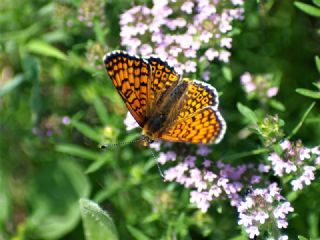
{"x":166,"y":106}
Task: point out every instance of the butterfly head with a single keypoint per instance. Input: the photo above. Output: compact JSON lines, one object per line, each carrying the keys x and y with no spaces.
{"x":146,"y":141}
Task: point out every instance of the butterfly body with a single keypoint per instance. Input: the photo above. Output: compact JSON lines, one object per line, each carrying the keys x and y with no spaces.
{"x":166,"y":112}
{"x":165,"y":106}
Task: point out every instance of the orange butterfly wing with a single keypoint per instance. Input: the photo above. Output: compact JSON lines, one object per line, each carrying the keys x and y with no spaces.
{"x":130,"y":76}
{"x":198,"y":119}
{"x":163,"y":77}
{"x":202,"y":127}
{"x":144,"y":85}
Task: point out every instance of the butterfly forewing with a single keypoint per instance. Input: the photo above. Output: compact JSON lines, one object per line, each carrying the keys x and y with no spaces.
{"x":130,"y":75}
{"x":163,"y":77}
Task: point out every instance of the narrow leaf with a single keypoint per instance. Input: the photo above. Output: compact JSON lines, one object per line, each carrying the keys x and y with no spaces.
{"x":99,"y":32}
{"x":246,"y":154}
{"x":137,"y":234}
{"x":6,"y":203}
{"x":77,"y":151}
{"x":302,"y":238}
{"x":316,"y":2}
{"x":297,"y":128}
{"x":247,"y":113}
{"x":86,"y":130}
{"x":277,"y":105}
{"x":226,"y":71}
{"x":308,"y":93}
{"x":318,"y":63}
{"x":45,"y":49}
{"x":97,"y":224}
{"x":313,"y":220}
{"x":11,"y":85}
{"x":101,"y":110}
{"x":31,"y":67}
{"x":105,"y":157}
{"x":309,"y":9}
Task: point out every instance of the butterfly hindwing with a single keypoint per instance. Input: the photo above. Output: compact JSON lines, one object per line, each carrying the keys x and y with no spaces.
{"x":198,"y":96}
{"x":197,"y":119}
{"x":202,"y":127}
{"x":129,"y":75}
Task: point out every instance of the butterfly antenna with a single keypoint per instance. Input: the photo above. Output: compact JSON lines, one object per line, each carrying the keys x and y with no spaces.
{"x":114,"y":145}
{"x":158,"y":165}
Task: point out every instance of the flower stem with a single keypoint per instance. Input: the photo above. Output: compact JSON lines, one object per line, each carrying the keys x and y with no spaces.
{"x":247,"y":154}
{"x":297,"y":128}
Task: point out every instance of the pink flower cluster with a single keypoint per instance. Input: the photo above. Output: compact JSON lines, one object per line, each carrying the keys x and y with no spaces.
{"x":91,"y":10}
{"x":297,"y":161}
{"x":263,"y":208}
{"x":258,"y":210}
{"x":185,"y":33}
{"x":130,"y":122}
{"x":259,"y":86}
{"x":226,"y":182}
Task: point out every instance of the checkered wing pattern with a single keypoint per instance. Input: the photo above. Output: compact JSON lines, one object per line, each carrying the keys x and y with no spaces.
{"x":202,"y":127}
{"x":198,"y":96}
{"x":152,"y":89}
{"x":130,"y":75}
{"x":162,"y":78}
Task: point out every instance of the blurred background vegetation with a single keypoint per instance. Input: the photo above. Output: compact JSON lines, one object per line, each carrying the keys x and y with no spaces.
{"x":57,"y":106}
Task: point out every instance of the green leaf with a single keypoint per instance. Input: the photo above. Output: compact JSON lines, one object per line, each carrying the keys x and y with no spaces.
{"x":246,"y":154}
{"x":243,"y":236}
{"x":75,"y":150}
{"x":86,"y":130}
{"x":31,"y":68}
{"x":316,"y":2}
{"x":5,"y":209}
{"x":96,"y":165}
{"x":100,"y":33}
{"x":309,"y":9}
{"x":302,"y":238}
{"x":101,"y":110}
{"x":313,"y":120}
{"x":11,"y":85}
{"x":45,"y":49}
{"x":277,"y":105}
{"x":313,"y":220}
{"x":53,"y":195}
{"x":308,"y":93}
{"x":292,"y":196}
{"x":317,"y":85}
{"x":227,"y":73}
{"x":247,"y":113}
{"x":137,"y":234}
{"x":317,"y":59}
{"x":97,"y":224}
{"x":104,"y":157}
{"x":299,"y":125}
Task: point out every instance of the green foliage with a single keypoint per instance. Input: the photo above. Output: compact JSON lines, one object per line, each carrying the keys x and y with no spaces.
{"x":57,"y":107}
{"x":247,"y":113}
{"x":309,"y":9}
{"x":97,"y":223}
{"x":43,"y":48}
{"x":55,"y":212}
{"x":308,"y":93}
